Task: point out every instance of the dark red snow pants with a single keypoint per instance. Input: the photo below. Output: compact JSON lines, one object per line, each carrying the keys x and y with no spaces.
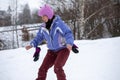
{"x":58,"y":59}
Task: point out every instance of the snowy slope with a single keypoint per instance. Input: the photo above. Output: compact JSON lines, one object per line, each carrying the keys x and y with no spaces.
{"x":97,"y":60}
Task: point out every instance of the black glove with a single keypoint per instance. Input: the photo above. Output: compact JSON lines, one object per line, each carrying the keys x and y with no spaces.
{"x":36,"y":54}
{"x":74,"y":49}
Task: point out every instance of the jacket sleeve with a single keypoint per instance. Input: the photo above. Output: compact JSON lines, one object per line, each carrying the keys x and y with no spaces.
{"x":38,"y":39}
{"x":67,"y":33}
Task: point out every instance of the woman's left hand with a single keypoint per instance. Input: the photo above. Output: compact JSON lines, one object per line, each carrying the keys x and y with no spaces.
{"x":69,"y":47}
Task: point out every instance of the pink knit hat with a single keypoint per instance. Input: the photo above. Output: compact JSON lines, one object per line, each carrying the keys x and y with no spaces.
{"x":46,"y":10}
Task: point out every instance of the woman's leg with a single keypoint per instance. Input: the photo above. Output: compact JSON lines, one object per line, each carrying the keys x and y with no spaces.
{"x":60,"y":61}
{"x":47,"y":63}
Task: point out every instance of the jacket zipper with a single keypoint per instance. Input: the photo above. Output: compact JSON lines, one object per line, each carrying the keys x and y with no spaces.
{"x":51,"y":40}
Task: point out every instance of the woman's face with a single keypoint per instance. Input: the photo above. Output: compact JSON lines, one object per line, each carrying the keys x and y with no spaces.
{"x":45,"y":18}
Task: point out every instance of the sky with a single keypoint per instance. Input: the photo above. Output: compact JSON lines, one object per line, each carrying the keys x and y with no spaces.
{"x":32,"y":3}
{"x":96,"y":60}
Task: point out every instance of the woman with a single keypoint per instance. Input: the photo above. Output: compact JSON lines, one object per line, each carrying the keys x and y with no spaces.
{"x":59,"y":39}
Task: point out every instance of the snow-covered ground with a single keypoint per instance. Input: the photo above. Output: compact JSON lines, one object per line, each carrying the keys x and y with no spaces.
{"x":96,"y":60}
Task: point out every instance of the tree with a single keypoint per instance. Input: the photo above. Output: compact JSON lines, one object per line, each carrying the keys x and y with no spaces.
{"x":103,"y":12}
{"x":8,"y":17}
{"x":25,"y":16}
{"x":35,"y":17}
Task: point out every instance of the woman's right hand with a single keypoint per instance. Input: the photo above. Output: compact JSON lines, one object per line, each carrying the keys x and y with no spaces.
{"x":28,"y":47}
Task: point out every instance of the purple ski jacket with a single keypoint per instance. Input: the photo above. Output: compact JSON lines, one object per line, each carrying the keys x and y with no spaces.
{"x":57,"y":37}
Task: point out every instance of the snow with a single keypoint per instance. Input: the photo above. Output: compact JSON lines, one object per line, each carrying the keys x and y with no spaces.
{"x":96,"y":60}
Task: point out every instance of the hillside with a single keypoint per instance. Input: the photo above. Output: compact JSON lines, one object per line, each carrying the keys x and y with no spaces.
{"x":96,"y":60}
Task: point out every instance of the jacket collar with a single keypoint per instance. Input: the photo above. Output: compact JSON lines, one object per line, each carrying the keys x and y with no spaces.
{"x":55,"y":20}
